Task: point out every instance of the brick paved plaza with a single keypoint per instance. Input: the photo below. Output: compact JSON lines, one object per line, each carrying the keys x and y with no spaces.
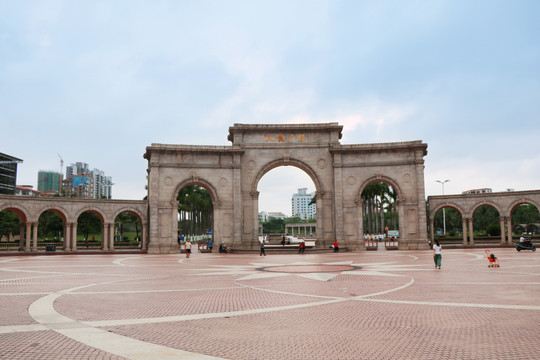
{"x":362,"y":305}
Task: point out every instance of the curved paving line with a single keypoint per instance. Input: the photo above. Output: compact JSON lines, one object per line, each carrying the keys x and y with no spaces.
{"x":43,"y":312}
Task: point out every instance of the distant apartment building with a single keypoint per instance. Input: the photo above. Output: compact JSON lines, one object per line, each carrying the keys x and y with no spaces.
{"x":77,"y":169}
{"x":8,"y":173}
{"x":478,"y":191}
{"x":49,"y":181}
{"x":80,"y":186}
{"x":101,"y":184}
{"x":300,"y":205}
{"x":266,"y":216}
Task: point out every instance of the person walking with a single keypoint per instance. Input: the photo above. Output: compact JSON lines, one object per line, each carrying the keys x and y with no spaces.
{"x":336,"y":246}
{"x":188,"y":248}
{"x":437,"y":257}
{"x":261,"y":253}
{"x":302,"y":247}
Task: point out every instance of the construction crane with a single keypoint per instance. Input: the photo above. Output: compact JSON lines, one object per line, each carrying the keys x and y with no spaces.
{"x":61,"y":173}
{"x":61,"y":164}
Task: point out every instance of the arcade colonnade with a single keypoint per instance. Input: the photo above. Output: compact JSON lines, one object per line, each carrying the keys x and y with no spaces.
{"x":466,"y":204}
{"x":29,"y":209}
{"x":301,"y":229}
{"x":231,"y":175}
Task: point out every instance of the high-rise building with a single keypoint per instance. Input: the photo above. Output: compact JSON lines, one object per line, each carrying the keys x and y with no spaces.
{"x":8,"y":173}
{"x":77,"y":169}
{"x":101,"y":184}
{"x":49,"y":181}
{"x":300,"y":205}
{"x":81,"y":186}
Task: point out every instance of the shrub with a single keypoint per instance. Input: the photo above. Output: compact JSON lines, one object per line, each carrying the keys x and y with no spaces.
{"x":493,"y":230}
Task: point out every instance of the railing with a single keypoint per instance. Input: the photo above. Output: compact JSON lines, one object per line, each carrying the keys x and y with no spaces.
{"x":9,"y":246}
{"x":127,"y":244}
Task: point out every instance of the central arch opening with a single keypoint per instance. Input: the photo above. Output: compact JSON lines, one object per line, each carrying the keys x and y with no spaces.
{"x":287,"y":207}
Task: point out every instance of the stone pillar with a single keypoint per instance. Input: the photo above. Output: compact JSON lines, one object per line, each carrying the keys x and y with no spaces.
{"x":110,"y":231}
{"x":21,"y":236}
{"x":464,"y":230}
{"x":143,"y":237}
{"x":431,"y":230}
{"x":338,"y":205}
{"x":501,"y":219}
{"x":105,"y":237}
{"x":509,"y":225}
{"x":471,"y":232}
{"x":67,"y":236}
{"x":34,"y":236}
{"x":255,"y":219}
{"x":74,"y":236}
{"x":28,"y":236}
{"x":360,"y":223}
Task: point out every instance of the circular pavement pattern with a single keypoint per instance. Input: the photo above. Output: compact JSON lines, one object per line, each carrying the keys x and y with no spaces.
{"x":367,"y":305}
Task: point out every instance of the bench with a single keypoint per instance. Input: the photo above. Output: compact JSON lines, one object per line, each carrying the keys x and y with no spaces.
{"x":203,"y":248}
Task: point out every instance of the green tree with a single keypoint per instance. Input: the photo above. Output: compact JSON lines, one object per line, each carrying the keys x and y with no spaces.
{"x":453,"y":221}
{"x":128,"y":222}
{"x":483,"y":217}
{"x":379,"y":207}
{"x":195,"y":209}
{"x":274,"y":226}
{"x":50,"y":223}
{"x":88,"y":223}
{"x":9,"y":223}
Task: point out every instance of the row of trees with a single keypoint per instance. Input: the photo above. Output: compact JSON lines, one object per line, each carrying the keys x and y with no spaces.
{"x":194,"y":210}
{"x":379,"y":208}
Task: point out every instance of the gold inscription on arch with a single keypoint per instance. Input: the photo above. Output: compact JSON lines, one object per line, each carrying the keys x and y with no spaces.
{"x":286,"y":138}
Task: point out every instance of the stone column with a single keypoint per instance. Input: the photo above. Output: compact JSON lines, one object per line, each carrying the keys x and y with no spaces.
{"x":21,"y":236}
{"x":74,"y":236}
{"x":34,"y":236}
{"x":319,"y":211}
{"x":105,"y":237}
{"x":338,"y":203}
{"x":255,"y":219}
{"x":67,"y":236}
{"x":110,"y":231}
{"x":143,"y":237}
{"x":28,"y":236}
{"x":464,"y":229}
{"x":431,"y":230}
{"x":471,"y":232}
{"x":501,"y":219}
{"x":509,"y":225}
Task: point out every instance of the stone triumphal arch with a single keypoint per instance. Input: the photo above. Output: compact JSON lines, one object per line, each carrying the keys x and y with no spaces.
{"x":339,"y":172}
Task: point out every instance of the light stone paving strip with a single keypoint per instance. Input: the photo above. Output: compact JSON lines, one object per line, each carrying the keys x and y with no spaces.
{"x":43,"y":312}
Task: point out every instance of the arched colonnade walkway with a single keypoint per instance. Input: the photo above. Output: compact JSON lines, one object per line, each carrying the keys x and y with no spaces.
{"x":29,"y":209}
{"x":466,"y":205}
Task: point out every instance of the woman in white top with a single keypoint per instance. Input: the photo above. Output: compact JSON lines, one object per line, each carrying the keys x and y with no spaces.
{"x":437,"y":254}
{"x":188,"y":248}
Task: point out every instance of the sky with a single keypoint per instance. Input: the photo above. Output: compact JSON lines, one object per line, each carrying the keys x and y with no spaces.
{"x":98,"y":81}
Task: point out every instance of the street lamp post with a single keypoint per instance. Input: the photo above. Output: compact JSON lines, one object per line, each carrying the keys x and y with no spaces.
{"x":443,"y":213}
